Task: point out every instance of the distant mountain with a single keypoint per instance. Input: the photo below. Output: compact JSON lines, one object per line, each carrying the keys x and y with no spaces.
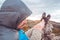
{"x":31,"y":23}
{"x":56,"y":25}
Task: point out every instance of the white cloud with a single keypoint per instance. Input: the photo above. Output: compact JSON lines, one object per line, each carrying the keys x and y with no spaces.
{"x":55,"y":15}
{"x":32,"y":1}
{"x":39,"y":6}
{"x":1,"y":2}
{"x":34,"y":17}
{"x":56,"y":12}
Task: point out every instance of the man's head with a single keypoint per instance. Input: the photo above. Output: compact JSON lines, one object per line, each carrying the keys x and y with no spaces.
{"x":16,"y":9}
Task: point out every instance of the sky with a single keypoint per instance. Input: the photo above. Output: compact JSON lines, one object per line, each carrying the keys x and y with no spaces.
{"x":37,"y":7}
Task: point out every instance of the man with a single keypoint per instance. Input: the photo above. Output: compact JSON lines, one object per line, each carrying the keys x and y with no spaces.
{"x":12,"y":13}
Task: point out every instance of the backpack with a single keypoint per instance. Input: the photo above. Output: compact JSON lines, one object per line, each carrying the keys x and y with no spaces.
{"x":22,"y":35}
